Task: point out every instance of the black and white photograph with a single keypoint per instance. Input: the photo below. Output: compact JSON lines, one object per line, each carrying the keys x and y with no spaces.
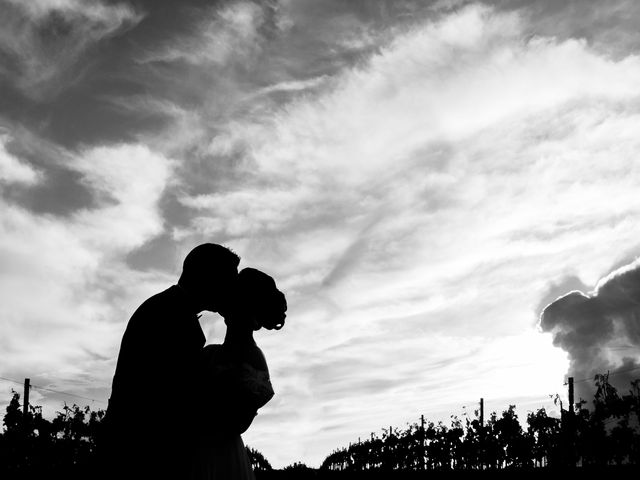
{"x":319,"y":239}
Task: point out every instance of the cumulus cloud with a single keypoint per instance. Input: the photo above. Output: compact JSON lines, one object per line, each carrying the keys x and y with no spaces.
{"x":599,"y":329}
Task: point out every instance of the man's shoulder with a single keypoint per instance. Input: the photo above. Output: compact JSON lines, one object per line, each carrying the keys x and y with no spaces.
{"x":162,"y":303}
{"x":170,"y":296}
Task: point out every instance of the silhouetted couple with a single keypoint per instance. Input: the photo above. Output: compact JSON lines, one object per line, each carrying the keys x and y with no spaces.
{"x":177,"y":407}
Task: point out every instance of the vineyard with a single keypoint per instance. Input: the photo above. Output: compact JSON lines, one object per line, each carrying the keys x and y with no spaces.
{"x":603,"y":435}
{"x":606,"y":434}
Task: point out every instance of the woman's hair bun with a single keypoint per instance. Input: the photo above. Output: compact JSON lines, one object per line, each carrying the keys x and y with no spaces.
{"x":269,"y":302}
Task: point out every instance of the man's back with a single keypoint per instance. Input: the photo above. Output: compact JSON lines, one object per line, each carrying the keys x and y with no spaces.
{"x":146,"y":417}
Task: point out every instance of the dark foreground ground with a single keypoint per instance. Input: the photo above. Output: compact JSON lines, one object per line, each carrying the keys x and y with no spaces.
{"x":603,"y":473}
{"x":606,"y":473}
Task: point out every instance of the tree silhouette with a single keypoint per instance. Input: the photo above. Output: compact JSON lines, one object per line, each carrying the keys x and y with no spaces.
{"x":545,"y":432}
{"x":608,"y":434}
{"x":258,"y":462}
{"x":63,"y":447}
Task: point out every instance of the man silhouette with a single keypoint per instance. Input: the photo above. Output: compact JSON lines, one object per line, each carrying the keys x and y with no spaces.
{"x":150,"y":422}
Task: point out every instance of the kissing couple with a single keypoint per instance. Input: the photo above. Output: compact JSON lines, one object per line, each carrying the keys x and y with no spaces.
{"x":177,"y":407}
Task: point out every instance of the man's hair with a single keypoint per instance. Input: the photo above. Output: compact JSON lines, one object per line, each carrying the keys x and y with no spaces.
{"x":203,"y":258}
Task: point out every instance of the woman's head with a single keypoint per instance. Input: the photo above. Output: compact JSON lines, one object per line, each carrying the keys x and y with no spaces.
{"x":259,"y":300}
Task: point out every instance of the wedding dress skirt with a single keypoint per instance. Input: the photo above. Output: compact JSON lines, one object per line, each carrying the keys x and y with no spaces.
{"x":222,"y":459}
{"x":224,"y":456}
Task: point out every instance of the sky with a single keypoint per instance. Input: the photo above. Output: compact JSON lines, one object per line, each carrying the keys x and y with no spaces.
{"x":446,"y":191}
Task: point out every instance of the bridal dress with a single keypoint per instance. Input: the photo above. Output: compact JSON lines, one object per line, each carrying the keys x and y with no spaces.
{"x":235,"y":384}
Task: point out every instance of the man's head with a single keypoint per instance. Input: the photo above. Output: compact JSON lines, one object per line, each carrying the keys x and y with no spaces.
{"x":209,"y":274}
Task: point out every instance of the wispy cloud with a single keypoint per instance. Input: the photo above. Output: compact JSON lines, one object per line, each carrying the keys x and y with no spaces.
{"x":442,"y":169}
{"x":12,"y":170}
{"x":224,"y":35}
{"x":293,"y":86}
{"x":41,"y":40}
{"x":59,"y":278}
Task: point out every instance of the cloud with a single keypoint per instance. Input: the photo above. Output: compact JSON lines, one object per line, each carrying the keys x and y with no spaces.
{"x":66,"y":290}
{"x":12,"y":170}
{"x":42,"y":40}
{"x":454,"y":90}
{"x":600,"y":329}
{"x":225,"y":34}
{"x":131,"y":180}
{"x":59,"y":189}
{"x":444,"y":182}
{"x":416,"y":180}
{"x":605,"y":27}
{"x":294,"y":86}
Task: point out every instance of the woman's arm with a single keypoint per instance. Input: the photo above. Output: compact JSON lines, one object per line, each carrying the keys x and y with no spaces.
{"x":228,"y":408}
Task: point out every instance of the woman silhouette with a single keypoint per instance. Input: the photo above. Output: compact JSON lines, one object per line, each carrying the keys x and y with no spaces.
{"x":235,"y":379}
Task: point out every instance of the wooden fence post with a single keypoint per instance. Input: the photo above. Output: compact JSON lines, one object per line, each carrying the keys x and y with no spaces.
{"x":25,"y":403}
